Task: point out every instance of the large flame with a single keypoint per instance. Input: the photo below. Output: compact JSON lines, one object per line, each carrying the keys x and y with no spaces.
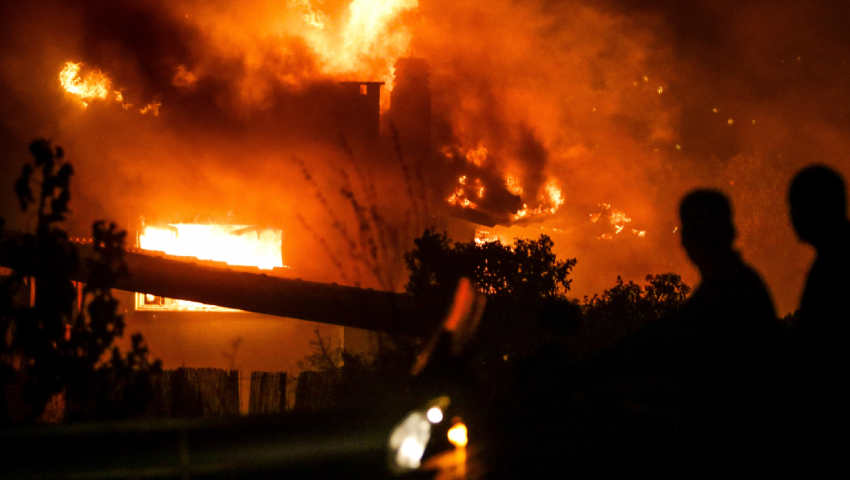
{"x":367,"y":45}
{"x":94,"y":85}
{"x":548,"y":204}
{"x":461,"y":195}
{"x":237,"y":245}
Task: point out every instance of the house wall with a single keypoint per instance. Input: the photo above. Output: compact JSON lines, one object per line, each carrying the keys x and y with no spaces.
{"x":240,"y":341}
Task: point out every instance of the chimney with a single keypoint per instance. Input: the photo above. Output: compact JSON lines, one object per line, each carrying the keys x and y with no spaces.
{"x":410,"y":106}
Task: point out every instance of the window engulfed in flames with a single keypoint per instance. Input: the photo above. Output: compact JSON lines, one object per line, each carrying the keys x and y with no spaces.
{"x":236,"y":245}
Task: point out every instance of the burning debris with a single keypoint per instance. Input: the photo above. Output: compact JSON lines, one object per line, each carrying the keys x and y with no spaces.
{"x":94,"y":85}
{"x":616,"y":218}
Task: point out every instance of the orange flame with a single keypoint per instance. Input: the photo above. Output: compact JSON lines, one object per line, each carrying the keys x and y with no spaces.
{"x":484,"y":236}
{"x":556,"y":199}
{"x":477,"y":155}
{"x":152,"y":107}
{"x":460,"y":197}
{"x":94,"y":85}
{"x":233,"y":244}
{"x":512,"y":183}
{"x":548,"y":204}
{"x":616,"y":218}
{"x":368,"y":44}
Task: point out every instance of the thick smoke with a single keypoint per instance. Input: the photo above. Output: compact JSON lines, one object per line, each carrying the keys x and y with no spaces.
{"x":624,"y":103}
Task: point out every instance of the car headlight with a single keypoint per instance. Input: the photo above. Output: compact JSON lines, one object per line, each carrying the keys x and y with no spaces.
{"x":409,"y":437}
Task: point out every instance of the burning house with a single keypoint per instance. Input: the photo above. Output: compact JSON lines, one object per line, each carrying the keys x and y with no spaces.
{"x":585,"y":121}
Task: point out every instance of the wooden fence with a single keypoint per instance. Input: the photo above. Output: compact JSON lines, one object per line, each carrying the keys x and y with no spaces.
{"x":268,"y":392}
{"x":316,"y":390}
{"x":196,"y":392}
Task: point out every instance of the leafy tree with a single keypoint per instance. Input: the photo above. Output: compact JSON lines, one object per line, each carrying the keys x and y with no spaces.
{"x":52,"y":345}
{"x":525,"y":284}
{"x":528,"y":270}
{"x":661,"y":297}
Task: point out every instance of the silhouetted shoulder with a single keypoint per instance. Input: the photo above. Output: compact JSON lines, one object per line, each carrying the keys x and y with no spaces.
{"x":732,"y":298}
{"x":824,"y":308}
{"x":818,"y":207}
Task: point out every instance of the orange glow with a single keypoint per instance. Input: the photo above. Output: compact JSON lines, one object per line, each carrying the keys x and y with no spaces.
{"x":477,"y":155}
{"x":512,"y":183}
{"x":555,"y":197}
{"x":152,"y":107}
{"x":368,"y":43}
{"x":460,"y":197}
{"x":522,"y":213}
{"x":549,"y":204}
{"x":484,"y":236}
{"x":617,"y":218}
{"x":457,"y":435}
{"x":94,"y":85}
{"x":237,"y":245}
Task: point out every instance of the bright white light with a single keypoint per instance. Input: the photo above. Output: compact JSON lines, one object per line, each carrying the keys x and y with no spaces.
{"x":435,"y":415}
{"x":410,"y":453}
{"x":408,"y":440}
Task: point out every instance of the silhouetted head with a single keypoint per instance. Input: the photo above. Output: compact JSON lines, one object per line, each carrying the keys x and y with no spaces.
{"x":818,"y":203}
{"x":707,"y":229}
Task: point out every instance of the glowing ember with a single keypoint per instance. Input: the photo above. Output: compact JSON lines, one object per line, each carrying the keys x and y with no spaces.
{"x":512,"y":183}
{"x":484,"y":236}
{"x":619,"y":219}
{"x":152,"y":107}
{"x":94,"y":85}
{"x":233,"y":244}
{"x":616,"y":218}
{"x":549,"y":204}
{"x":477,"y":155}
{"x":460,"y":197}
{"x":555,"y":197}
{"x":183,"y":77}
{"x":314,"y":17}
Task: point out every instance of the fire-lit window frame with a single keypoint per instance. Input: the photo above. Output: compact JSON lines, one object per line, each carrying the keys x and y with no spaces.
{"x":156,"y":303}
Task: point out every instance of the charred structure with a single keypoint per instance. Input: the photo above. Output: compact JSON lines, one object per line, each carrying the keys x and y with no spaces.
{"x":359,"y":115}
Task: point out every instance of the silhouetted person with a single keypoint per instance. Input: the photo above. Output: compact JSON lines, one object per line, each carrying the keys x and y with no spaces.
{"x":731,"y":305}
{"x":728,"y":328}
{"x":819,"y":214}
